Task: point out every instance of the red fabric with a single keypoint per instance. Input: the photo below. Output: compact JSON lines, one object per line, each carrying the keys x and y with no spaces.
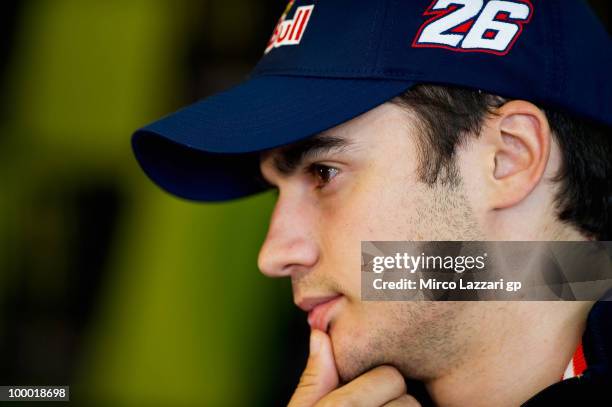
{"x":577,"y":364}
{"x":579,"y":361}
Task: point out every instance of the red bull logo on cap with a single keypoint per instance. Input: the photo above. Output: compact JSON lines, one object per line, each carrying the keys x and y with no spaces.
{"x":290,"y":32}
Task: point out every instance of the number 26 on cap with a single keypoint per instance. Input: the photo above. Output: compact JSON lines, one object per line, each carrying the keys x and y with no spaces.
{"x":474,"y":25}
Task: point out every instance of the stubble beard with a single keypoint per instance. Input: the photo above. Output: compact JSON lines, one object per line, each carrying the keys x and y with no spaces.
{"x":423,"y":340}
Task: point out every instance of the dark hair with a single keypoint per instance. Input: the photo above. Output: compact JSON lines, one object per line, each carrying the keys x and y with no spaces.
{"x":448,"y":116}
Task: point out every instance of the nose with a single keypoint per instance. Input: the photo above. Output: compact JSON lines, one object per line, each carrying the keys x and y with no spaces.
{"x":290,"y":243}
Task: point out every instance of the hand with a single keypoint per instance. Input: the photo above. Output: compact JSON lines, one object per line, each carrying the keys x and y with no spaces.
{"x":318,"y":386}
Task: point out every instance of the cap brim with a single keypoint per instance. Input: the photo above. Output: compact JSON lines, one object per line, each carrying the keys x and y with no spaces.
{"x":208,"y":151}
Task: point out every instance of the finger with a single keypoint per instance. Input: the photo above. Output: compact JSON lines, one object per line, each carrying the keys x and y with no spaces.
{"x":320,"y":375}
{"x":372,"y":389}
{"x":404,"y":401}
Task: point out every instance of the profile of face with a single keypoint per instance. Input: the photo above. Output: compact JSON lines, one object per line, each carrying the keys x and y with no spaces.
{"x":357,"y":182}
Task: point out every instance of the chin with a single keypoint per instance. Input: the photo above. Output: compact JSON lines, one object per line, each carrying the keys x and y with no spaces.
{"x":354,"y":351}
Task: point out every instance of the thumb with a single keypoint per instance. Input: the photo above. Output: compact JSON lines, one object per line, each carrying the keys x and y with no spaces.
{"x":320,"y":376}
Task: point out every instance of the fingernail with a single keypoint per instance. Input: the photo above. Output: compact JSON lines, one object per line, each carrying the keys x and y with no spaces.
{"x":315,"y":343}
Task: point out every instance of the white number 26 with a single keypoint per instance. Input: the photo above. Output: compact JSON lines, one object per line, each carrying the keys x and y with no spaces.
{"x":474,"y":25}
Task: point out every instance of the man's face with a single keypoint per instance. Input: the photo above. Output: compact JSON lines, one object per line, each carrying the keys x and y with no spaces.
{"x":358,"y":181}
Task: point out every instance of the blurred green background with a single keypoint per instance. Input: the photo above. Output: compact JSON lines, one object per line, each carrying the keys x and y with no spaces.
{"x":107,"y":284}
{"x":129,"y":295}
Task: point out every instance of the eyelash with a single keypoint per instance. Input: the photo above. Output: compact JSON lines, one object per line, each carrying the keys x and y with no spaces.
{"x":314,"y":170}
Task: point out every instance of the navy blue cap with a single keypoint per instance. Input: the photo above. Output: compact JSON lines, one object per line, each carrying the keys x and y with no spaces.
{"x":329,"y":61}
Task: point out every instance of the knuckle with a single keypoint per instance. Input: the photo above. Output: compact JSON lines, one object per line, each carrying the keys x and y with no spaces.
{"x":392,"y":375}
{"x":340,"y":400}
{"x":404,"y":401}
{"x":307,"y":380}
{"x":409,"y":401}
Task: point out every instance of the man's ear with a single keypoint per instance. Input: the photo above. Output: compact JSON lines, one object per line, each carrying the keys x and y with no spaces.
{"x":520,"y":140}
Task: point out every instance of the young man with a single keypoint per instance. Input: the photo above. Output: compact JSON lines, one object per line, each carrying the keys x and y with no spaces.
{"x":417,"y":121}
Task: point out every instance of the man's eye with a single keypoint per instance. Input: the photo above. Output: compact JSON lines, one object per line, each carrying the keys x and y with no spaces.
{"x":323,"y":173}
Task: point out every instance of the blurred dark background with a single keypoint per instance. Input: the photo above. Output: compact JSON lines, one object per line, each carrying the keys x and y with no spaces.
{"x":128,"y":295}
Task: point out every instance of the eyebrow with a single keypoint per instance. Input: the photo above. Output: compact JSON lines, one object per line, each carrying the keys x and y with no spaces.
{"x":292,"y":157}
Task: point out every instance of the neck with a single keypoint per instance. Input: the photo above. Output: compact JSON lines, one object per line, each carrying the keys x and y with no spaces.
{"x":520,"y":351}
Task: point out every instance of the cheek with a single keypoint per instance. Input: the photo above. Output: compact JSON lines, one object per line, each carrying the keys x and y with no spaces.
{"x":385,"y":213}
{"x":365,"y":213}
{"x":376,"y":208}
{"x":342,"y":229}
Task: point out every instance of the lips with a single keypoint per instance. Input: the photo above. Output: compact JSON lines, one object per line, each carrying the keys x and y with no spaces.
{"x":320,"y":311}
